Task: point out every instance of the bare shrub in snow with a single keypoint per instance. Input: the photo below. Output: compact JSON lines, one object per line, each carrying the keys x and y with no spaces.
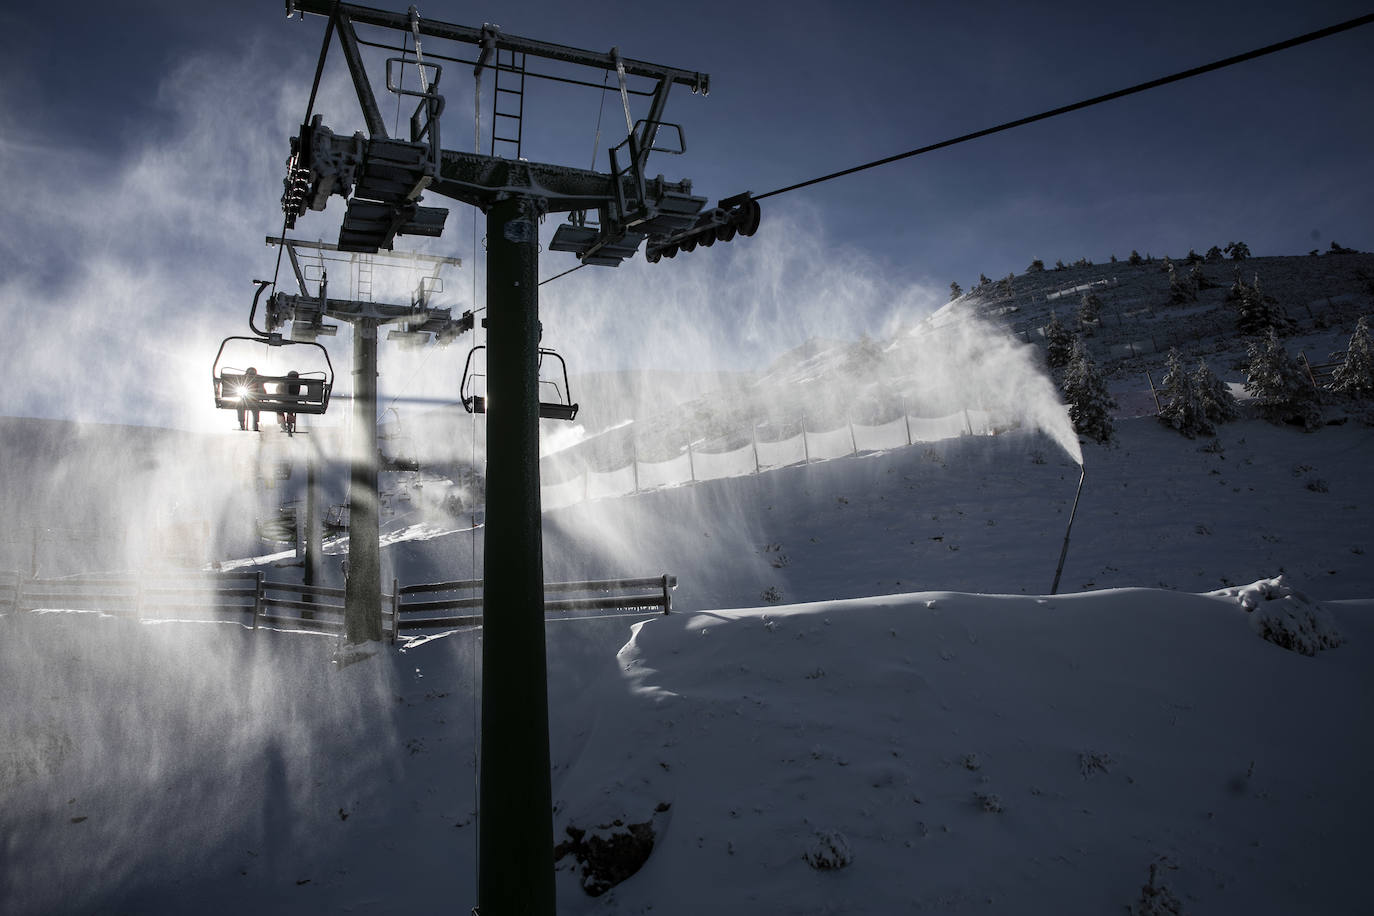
{"x":1156,"y":899}
{"x":771,"y":594}
{"x":990,"y":803}
{"x":1093,"y":762}
{"x":829,"y":851}
{"x":1286,"y":617}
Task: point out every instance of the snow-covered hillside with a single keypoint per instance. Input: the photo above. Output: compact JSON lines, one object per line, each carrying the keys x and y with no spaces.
{"x":865,"y":701}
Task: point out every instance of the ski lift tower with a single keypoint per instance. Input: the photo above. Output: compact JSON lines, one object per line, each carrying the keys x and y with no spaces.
{"x":382,"y":178}
{"x":416,"y":322}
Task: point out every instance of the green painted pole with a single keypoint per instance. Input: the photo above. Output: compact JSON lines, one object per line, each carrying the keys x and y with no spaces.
{"x":515,"y":842}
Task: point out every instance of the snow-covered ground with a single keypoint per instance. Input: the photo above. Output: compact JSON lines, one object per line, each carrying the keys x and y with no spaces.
{"x":928,"y":732}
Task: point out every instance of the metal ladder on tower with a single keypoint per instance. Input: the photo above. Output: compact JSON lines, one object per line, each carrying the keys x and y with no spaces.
{"x":364,"y":289}
{"x":510,"y":94}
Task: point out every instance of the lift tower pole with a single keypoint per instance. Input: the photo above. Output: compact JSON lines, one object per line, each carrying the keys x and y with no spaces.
{"x":363,"y":587}
{"x":516,"y":839}
{"x":415,"y":321}
{"x":610,"y":214}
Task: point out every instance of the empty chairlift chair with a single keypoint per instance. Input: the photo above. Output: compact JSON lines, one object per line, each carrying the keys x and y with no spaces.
{"x":553,"y":384}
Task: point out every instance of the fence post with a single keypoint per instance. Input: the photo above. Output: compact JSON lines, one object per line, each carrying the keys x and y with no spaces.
{"x":907,"y":417}
{"x":667,"y":595}
{"x":691,"y":463}
{"x":257,"y":598}
{"x":1153,"y":393}
{"x":754,"y":436}
{"x":852,"y":440}
{"x":806,"y":446}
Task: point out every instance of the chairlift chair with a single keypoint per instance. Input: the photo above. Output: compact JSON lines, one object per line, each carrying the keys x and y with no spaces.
{"x":308,"y":392}
{"x":286,"y":394}
{"x":559,"y":407}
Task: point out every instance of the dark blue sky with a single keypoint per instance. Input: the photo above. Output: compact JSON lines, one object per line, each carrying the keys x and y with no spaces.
{"x":149,"y":137}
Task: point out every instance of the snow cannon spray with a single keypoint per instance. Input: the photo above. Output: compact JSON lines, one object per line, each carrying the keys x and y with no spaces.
{"x":1064,"y":551}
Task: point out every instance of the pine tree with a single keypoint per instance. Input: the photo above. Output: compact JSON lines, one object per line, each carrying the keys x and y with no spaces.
{"x":1089,"y":309}
{"x":1058,"y":343}
{"x":1355,"y":376}
{"x":1238,"y":251}
{"x":1213,"y":255}
{"x":1218,"y":403}
{"x":1198,"y":280}
{"x":1181,"y":407}
{"x":1256,"y":313}
{"x":983,"y":280}
{"x":1135,"y":258}
{"x":1180,"y":289}
{"x":1276,"y":380}
{"x":1090,"y":404}
{"x":955,"y":291}
{"x":1035,"y":266}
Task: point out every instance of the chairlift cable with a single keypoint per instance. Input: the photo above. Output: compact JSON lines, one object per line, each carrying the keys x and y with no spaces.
{"x":563,"y":274}
{"x":596,"y":141}
{"x":1086,"y":103}
{"x":400,"y":87}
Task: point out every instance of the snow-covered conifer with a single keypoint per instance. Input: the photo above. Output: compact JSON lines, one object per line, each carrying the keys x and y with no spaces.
{"x":955,"y":291}
{"x":1198,"y":280}
{"x":1283,"y":392}
{"x":1256,"y":313}
{"x":1058,"y":343}
{"x":1180,"y":406}
{"x":1217,"y":402}
{"x":1355,"y":376}
{"x":1089,"y":309}
{"x":1181,"y":289}
{"x":1085,"y":391}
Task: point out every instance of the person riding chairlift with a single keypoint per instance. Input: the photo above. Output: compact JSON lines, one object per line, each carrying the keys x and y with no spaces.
{"x":250,"y":391}
{"x":287,"y":419}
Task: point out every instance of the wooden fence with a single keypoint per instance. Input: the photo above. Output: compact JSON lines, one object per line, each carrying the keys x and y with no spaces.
{"x":251,"y":599}
{"x":442,"y":604}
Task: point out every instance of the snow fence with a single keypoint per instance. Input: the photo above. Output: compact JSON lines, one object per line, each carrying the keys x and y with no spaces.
{"x":566,"y":484}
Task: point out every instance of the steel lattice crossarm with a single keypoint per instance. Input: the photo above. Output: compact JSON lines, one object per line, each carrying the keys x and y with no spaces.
{"x":383,"y":177}
{"x":416,"y":321}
